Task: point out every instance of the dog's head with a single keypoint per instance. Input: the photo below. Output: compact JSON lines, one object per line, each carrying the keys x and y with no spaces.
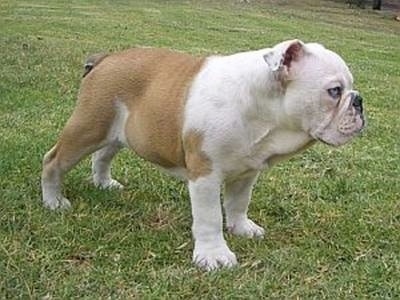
{"x":317,"y":91}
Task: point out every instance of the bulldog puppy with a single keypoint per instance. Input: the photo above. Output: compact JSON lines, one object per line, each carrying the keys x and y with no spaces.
{"x":214,"y":121}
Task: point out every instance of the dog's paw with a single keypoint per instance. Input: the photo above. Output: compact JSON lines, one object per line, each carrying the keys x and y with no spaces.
{"x":214,"y":258}
{"x":59,"y":203}
{"x":110,"y":184}
{"x":247,"y":228}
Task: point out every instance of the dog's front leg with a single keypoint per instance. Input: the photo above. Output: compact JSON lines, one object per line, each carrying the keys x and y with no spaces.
{"x":236,"y":201}
{"x":210,"y":248}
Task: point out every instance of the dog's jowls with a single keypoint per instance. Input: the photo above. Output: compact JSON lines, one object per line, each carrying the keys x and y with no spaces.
{"x":214,"y":121}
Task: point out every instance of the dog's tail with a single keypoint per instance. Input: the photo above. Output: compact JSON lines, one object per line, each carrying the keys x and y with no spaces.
{"x":93,"y":61}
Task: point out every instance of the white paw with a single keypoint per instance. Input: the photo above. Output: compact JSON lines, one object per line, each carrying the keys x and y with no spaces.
{"x":247,"y":228}
{"x":108,"y":184}
{"x":60,"y":203}
{"x":209,"y":258}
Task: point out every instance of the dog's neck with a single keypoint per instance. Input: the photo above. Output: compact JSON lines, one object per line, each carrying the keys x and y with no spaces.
{"x":257,"y":91}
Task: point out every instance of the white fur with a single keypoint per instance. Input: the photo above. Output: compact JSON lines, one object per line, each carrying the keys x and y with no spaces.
{"x":210,"y":249}
{"x":236,"y":201}
{"x":101,"y":167}
{"x":117,"y":131}
{"x":51,"y":193}
{"x":232,"y":103}
{"x":239,"y":105}
{"x":116,"y":139}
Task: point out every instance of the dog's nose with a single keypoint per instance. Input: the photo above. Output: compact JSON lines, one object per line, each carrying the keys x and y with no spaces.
{"x":357,"y":102}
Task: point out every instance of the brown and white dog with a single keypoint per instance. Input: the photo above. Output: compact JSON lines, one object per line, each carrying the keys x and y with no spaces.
{"x":213,"y":121}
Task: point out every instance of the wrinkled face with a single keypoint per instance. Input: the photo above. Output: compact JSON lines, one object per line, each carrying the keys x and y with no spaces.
{"x":321,"y":96}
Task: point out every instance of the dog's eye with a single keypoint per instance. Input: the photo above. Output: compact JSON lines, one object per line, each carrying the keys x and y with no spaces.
{"x":335,"y":92}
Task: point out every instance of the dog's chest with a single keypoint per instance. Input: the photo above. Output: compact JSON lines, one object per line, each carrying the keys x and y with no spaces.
{"x":275,"y":146}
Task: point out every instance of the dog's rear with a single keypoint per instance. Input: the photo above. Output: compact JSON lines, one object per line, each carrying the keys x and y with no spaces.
{"x":153,"y":84}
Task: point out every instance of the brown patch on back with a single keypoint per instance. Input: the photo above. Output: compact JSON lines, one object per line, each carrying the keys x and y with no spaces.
{"x":198,"y":163}
{"x":153,"y":84}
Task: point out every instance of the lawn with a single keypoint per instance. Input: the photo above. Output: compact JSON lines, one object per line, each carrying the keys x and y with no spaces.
{"x":332,"y":215}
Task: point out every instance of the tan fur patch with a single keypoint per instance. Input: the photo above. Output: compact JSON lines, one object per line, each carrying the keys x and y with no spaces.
{"x":84,"y":132}
{"x":198,"y":163}
{"x":153,"y":84}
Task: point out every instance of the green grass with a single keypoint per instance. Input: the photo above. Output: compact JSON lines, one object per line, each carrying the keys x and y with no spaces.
{"x":332,"y":215}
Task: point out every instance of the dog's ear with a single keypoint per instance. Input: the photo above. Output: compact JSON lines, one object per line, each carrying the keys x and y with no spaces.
{"x":281,"y":57}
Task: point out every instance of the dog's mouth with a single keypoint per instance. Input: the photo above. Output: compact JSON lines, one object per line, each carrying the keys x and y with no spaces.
{"x":340,"y":130}
{"x":338,"y":138}
{"x":341,"y":134}
{"x":326,"y":142}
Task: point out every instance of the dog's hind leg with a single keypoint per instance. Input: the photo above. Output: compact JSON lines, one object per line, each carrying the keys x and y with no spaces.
{"x":101,"y":159}
{"x":51,"y":181}
{"x":101,"y":166}
{"x":81,"y":136}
